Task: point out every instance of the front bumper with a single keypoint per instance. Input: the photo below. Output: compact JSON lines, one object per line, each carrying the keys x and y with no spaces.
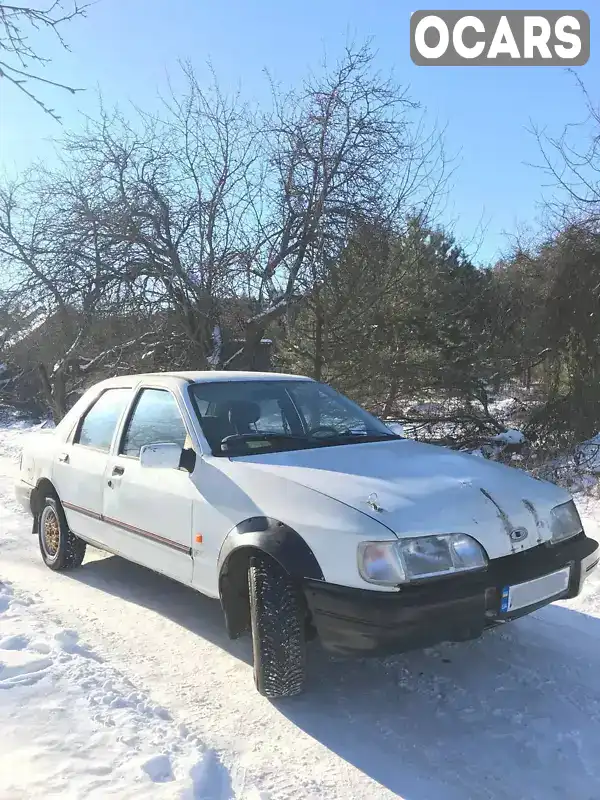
{"x":364,"y":622}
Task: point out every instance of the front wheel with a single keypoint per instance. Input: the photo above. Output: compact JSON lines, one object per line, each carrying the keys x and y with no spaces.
{"x":278,"y":630}
{"x":60,"y":548}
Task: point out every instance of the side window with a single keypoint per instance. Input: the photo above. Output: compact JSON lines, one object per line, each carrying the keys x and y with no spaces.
{"x":155,"y":419}
{"x":98,"y":425}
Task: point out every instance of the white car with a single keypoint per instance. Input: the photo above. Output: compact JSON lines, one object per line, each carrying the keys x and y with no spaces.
{"x":305,"y":515}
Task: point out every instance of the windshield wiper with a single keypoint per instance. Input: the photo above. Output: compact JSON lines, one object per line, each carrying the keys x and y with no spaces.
{"x":355,"y":438}
{"x":239,"y":443}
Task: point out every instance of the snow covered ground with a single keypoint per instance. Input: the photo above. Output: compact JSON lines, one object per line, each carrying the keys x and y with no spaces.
{"x":115,"y":682}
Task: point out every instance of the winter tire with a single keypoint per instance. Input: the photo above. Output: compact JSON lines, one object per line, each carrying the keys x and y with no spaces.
{"x":278,"y":630}
{"x":60,"y":548}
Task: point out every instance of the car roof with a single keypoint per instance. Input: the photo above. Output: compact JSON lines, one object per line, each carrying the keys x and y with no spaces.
{"x":207,"y":376}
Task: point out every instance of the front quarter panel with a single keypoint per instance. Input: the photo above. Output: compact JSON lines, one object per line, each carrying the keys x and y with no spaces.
{"x":331,"y":529}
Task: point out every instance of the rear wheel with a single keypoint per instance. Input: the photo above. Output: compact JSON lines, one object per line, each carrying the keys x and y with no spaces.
{"x":278,"y":630}
{"x":60,"y":548}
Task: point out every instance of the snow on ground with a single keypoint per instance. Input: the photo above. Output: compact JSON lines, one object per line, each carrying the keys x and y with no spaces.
{"x":510,"y":436}
{"x":11,"y":436}
{"x":115,"y":682}
{"x":503,"y":406}
{"x":73,"y":726}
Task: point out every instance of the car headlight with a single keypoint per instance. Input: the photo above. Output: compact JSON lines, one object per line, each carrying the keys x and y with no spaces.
{"x":390,"y":563}
{"x":565,"y":522}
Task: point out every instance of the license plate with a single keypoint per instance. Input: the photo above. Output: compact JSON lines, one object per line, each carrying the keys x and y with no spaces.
{"x":531,"y":592}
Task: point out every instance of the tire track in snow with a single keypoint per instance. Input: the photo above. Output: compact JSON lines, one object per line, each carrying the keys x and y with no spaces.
{"x":61,"y":702}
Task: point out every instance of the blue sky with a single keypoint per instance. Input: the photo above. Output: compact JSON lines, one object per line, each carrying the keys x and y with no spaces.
{"x":126,"y":48}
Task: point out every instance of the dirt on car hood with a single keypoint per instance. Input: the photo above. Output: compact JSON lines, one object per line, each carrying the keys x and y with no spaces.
{"x":416,"y":489}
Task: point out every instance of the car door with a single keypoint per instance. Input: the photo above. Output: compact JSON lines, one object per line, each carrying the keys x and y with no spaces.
{"x":149,"y":510}
{"x":80,"y":465}
{"x":219,"y":503}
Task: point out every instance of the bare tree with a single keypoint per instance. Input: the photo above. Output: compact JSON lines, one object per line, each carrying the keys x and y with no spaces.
{"x":67,"y":279}
{"x":343,"y":151}
{"x":213,"y":204}
{"x":572,"y":161}
{"x":207,"y":220}
{"x":176,"y":193}
{"x":19,"y":58}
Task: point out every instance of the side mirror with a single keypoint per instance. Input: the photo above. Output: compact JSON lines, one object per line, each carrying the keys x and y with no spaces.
{"x":167,"y":456}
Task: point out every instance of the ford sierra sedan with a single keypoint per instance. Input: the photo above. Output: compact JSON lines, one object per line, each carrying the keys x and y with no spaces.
{"x":306,"y":516}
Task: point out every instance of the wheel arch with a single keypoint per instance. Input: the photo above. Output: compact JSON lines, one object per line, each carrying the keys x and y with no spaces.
{"x":44,"y":488}
{"x":252,"y":537}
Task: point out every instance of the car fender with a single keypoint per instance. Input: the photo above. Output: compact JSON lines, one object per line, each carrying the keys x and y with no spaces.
{"x":35,"y":472}
{"x":276,"y":539}
{"x":331,"y":529}
{"x":271,"y":537}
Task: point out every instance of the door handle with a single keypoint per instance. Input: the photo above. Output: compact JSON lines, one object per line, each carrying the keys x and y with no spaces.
{"x":118,"y":470}
{"x":64,"y":458}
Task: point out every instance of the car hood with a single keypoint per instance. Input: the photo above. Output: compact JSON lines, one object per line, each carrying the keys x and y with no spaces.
{"x":416,"y":489}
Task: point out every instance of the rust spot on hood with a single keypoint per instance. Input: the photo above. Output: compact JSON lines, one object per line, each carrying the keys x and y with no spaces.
{"x":503,"y":516}
{"x":536,"y":517}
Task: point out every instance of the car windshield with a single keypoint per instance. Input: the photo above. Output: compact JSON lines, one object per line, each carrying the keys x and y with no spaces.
{"x":245,"y":417}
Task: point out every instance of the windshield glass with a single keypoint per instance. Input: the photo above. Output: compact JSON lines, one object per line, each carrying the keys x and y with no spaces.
{"x":244,"y":417}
